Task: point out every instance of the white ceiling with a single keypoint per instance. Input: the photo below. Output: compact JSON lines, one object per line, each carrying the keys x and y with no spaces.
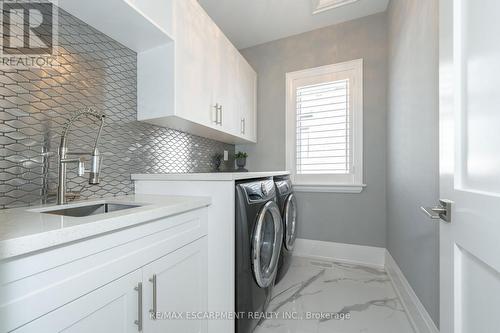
{"x":251,"y":22}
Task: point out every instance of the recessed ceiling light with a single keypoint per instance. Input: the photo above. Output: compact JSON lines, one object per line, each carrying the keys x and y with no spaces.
{"x":322,"y":5}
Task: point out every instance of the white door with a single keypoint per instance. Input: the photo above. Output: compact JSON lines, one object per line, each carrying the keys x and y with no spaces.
{"x":111,"y":308}
{"x":175,"y":289}
{"x":470,"y":165}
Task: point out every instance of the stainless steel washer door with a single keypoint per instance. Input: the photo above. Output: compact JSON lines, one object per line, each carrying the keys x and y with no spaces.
{"x":266,"y":244}
{"x":290,"y":221}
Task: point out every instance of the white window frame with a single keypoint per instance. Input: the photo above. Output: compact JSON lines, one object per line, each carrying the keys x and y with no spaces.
{"x":353,"y":182}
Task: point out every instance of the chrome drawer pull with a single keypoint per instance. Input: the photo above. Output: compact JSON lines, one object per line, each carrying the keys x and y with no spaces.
{"x":138,"y":322}
{"x":154,"y":310}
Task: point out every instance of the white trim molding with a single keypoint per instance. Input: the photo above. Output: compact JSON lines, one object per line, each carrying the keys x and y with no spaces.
{"x":346,"y":188}
{"x":419,"y":317}
{"x":359,"y":254}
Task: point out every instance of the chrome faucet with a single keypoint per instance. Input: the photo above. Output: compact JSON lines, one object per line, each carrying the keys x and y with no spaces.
{"x":95,"y":156}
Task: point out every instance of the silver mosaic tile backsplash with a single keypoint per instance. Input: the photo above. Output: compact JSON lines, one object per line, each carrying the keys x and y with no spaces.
{"x":95,"y":71}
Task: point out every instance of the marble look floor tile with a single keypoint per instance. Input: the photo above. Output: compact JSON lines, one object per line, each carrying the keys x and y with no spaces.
{"x":318,"y":296}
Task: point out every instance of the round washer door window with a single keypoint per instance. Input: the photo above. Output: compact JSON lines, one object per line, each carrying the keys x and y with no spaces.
{"x":266,"y":244}
{"x":290,"y":221}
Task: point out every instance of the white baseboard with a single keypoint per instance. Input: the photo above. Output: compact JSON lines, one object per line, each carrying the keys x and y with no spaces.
{"x":419,"y":317}
{"x":359,"y":254}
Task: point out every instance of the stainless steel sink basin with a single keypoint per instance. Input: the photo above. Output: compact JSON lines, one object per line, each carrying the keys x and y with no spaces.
{"x":89,"y":210}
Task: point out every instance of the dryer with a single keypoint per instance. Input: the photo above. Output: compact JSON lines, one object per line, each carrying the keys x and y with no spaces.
{"x":259,"y":235}
{"x":288,"y":208}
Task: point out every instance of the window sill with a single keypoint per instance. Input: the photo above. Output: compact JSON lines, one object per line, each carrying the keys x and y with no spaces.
{"x":334,"y":188}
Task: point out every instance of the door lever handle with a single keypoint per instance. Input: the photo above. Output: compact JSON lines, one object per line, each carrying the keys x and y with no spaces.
{"x":440,"y":212}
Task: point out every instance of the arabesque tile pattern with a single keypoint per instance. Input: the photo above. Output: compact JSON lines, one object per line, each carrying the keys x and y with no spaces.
{"x":95,"y":71}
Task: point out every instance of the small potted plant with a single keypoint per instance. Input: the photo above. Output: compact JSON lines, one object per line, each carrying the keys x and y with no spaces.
{"x":241,"y":161}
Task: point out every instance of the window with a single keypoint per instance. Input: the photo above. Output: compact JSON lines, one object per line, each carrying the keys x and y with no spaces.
{"x":324,"y":112}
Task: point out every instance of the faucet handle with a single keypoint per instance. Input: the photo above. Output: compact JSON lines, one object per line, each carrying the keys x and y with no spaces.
{"x":80,"y":161}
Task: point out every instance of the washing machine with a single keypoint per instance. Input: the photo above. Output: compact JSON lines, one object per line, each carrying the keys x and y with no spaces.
{"x":288,"y":209}
{"x":259,"y":236}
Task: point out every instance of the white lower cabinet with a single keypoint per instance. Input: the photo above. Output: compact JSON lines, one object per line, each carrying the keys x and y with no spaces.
{"x":167,"y":295}
{"x":111,"y":308}
{"x":150,"y":278}
{"x":176,"y":291}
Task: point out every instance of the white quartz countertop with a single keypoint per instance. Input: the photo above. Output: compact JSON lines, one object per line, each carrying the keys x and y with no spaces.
{"x":27,"y":229}
{"x":209,"y":176}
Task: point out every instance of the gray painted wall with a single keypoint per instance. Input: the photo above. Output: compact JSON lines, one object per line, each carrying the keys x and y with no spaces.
{"x":412,"y":164}
{"x":348,"y":218}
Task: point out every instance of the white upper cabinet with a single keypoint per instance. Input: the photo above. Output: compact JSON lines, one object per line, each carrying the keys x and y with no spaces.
{"x":138,"y":24}
{"x":195,"y":64}
{"x":225,"y":83}
{"x":247,"y":100}
{"x":205,"y":86}
{"x":189,"y":75}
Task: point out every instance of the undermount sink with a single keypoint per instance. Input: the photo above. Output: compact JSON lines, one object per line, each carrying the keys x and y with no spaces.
{"x":94,"y":209}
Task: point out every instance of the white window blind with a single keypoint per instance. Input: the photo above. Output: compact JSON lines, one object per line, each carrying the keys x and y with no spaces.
{"x":323,"y":128}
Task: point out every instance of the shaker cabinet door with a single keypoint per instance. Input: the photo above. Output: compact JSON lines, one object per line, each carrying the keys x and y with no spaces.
{"x":247,"y":100}
{"x":195,"y":64}
{"x":111,"y":308}
{"x":175,"y":291}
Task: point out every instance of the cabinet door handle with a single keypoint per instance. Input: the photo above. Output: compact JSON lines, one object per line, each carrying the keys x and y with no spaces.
{"x":218,"y":114}
{"x":221,"y":114}
{"x":154,"y":310}
{"x":243,"y":125}
{"x":138,"y":322}
{"x":216,"y":107}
